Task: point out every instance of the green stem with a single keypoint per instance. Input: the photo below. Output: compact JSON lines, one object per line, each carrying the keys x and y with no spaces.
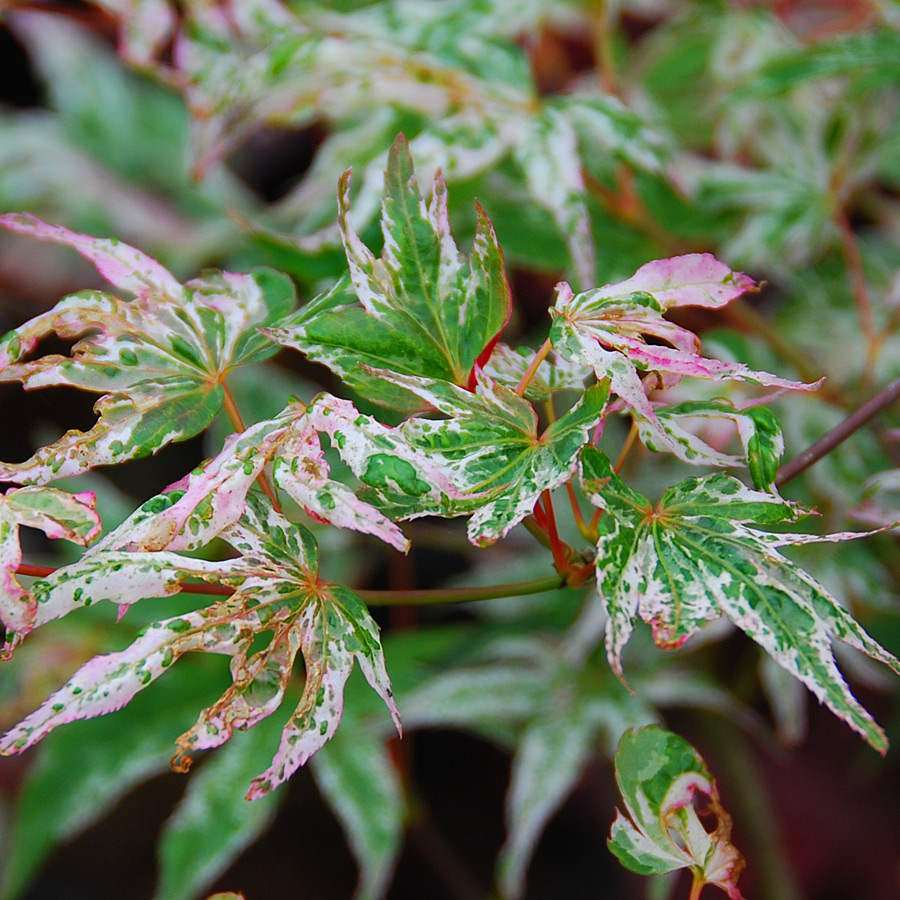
{"x":384,"y":598}
{"x":462,"y":595}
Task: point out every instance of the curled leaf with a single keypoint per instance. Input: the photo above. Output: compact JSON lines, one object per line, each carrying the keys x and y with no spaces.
{"x":58,"y":514}
{"x":663,"y":780}
{"x":607,"y":329}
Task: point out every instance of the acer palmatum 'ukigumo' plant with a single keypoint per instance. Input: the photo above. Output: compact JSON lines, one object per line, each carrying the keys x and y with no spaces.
{"x":500,"y":435}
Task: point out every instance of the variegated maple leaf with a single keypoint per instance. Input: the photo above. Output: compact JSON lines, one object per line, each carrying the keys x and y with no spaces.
{"x":421,"y":309}
{"x":606,"y":329}
{"x":661,"y":777}
{"x":691,"y":558}
{"x":58,"y":514}
{"x":194,"y":510}
{"x":277,"y":592}
{"x":758,"y":431}
{"x":159,"y":360}
{"x":489,"y":447}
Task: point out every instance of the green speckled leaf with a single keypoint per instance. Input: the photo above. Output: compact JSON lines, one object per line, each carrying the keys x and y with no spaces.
{"x":692,"y":557}
{"x":277,"y":593}
{"x":489,"y":445}
{"x":421,"y":309}
{"x":158,"y":360}
{"x":662,"y":779}
{"x":58,"y":514}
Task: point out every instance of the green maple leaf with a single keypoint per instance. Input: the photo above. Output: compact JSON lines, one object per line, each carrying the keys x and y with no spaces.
{"x":158,"y":359}
{"x":692,"y":558}
{"x":421,"y":309}
{"x":277,"y":593}
{"x":661,"y":776}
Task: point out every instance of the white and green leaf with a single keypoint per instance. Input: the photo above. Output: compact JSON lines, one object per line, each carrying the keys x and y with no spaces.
{"x":661,"y":778}
{"x":489,"y":446}
{"x":58,"y":514}
{"x":691,"y":558}
{"x":158,"y":360}
{"x":422,"y":308}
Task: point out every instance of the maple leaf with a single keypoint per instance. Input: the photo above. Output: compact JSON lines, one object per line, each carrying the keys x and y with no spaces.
{"x":606,"y":328}
{"x":58,"y":514}
{"x":691,"y":558}
{"x":194,"y":510}
{"x":277,"y":592}
{"x":758,"y":430}
{"x":661,"y":776}
{"x":423,"y":308}
{"x":489,"y":446}
{"x":158,"y":359}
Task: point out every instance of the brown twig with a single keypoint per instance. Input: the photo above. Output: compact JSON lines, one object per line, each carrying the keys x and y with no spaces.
{"x":856,"y":420}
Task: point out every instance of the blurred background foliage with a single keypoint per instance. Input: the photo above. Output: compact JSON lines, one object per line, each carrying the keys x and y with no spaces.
{"x":597,"y":135}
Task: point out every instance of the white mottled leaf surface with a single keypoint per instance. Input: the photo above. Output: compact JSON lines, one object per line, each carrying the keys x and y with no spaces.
{"x":692,"y":557}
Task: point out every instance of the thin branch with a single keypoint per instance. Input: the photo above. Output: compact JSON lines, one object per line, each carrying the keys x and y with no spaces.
{"x":856,"y":420}
{"x":384,"y":598}
{"x":626,"y":447}
{"x":582,"y":526}
{"x":462,"y":595}
{"x":539,"y":357}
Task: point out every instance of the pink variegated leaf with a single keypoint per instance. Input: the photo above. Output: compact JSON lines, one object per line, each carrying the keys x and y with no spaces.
{"x":122,"y":578}
{"x":107,"y":683}
{"x":328,"y":624}
{"x":276,"y":592}
{"x":158,"y":360}
{"x":695,"y":279}
{"x":194,"y":510}
{"x":302,"y":472}
{"x":607,"y":329}
{"x":58,"y":514}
